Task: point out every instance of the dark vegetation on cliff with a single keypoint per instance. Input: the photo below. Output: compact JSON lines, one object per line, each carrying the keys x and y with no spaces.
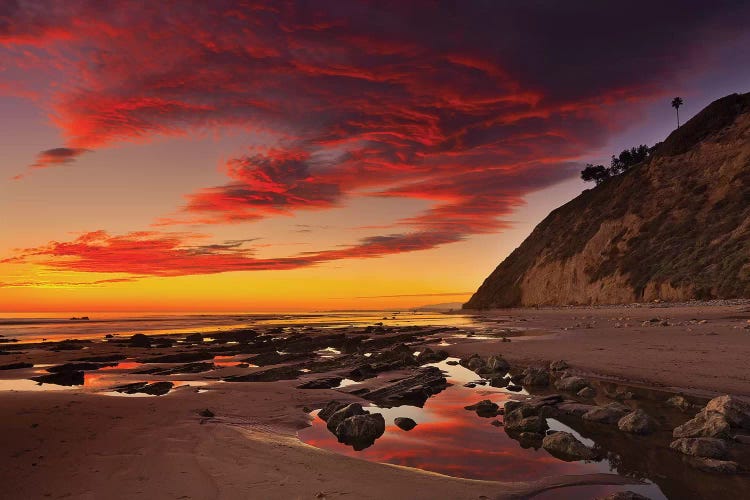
{"x":693,"y":214}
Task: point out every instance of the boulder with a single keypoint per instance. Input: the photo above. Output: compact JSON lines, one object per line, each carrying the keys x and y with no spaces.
{"x":679,"y":402}
{"x":484,"y":409}
{"x":499,"y":381}
{"x":430,"y":356}
{"x":514,"y":388}
{"x":609,"y":414}
{"x":536,"y":377}
{"x":329,"y":409}
{"x":140,"y":340}
{"x":16,"y":366}
{"x":558,"y":365}
{"x":700,"y":447}
{"x":153,"y":389}
{"x":71,"y":377}
{"x":571,"y":384}
{"x":414,"y":389}
{"x":574,"y":408}
{"x":637,"y":422}
{"x":360,"y":431}
{"x":565,"y":446}
{"x":524,"y":419}
{"x":713,"y":465}
{"x":734,"y":411}
{"x":342,"y":414}
{"x":497,"y":364}
{"x":404,"y":423}
{"x":322,"y":383}
{"x":703,"y":425}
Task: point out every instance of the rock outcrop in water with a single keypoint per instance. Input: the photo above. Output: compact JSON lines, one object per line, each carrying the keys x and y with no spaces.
{"x":675,"y":227}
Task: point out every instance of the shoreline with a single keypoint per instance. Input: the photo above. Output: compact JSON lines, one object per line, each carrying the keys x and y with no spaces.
{"x":85,"y":445}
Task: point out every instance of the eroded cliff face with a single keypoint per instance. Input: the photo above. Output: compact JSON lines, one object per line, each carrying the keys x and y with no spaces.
{"x":676,"y":227}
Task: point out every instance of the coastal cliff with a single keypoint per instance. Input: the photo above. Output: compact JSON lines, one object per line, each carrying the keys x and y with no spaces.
{"x":675,"y":227}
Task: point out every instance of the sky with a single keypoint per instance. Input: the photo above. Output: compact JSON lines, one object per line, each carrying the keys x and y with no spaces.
{"x":317,"y":155}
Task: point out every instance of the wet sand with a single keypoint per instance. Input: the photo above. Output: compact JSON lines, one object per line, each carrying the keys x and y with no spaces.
{"x":79,"y":443}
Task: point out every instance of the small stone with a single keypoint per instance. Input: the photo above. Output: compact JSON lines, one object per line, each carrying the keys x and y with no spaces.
{"x":678,"y":402}
{"x":713,"y":465}
{"x":404,"y":423}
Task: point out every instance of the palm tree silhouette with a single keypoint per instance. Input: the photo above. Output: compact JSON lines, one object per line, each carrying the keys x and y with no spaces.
{"x":676,"y":103}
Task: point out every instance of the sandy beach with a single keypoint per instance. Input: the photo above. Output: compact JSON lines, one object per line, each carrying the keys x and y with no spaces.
{"x":91,"y":442}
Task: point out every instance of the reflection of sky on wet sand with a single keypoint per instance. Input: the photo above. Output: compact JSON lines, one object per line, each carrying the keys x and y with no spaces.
{"x":451,"y":440}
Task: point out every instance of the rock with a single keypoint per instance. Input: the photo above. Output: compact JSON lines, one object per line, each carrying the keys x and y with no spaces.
{"x":679,"y":402}
{"x":360,"y":431}
{"x":742,"y":438}
{"x":734,"y":411}
{"x":206,"y":413}
{"x":414,"y":389}
{"x":637,"y":422}
{"x":484,"y":409}
{"x":16,"y":366}
{"x":140,"y":340}
{"x":516,"y":378}
{"x":713,"y":465}
{"x":404,"y":423}
{"x":451,"y":363}
{"x":322,"y":383}
{"x":497,"y":364}
{"x":514,"y":388}
{"x":700,"y":447}
{"x":573,"y":408}
{"x":523,"y":418}
{"x":342,"y":414}
{"x":609,"y":414}
{"x":499,"y":381}
{"x":558,"y":365}
{"x":586,"y":392}
{"x":496,"y":423}
{"x":194,"y":338}
{"x":703,"y":425}
{"x":430,"y":356}
{"x":83,"y":366}
{"x":571,"y":384}
{"x":565,"y":446}
{"x":71,"y":377}
{"x":624,"y":495}
{"x":153,"y":389}
{"x":536,"y":377}
{"x":329,"y":409}
{"x":470,"y":385}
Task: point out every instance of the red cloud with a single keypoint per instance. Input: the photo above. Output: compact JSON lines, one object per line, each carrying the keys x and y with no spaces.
{"x":471,"y":108}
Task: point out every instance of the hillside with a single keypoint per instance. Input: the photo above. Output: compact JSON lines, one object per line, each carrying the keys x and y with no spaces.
{"x":676,"y":227}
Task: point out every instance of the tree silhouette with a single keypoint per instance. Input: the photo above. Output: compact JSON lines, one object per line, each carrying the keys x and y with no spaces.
{"x":596,"y":173}
{"x":676,"y":103}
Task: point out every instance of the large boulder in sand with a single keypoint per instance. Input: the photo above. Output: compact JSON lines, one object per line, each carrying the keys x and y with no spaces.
{"x":571,"y":384}
{"x":342,"y":414}
{"x":700,"y":447}
{"x":704,"y":424}
{"x":565,"y":446}
{"x":637,"y":422}
{"x":360,"y":431}
{"x":610,"y":414}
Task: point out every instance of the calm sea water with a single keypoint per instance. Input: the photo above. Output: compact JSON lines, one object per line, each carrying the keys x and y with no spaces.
{"x":35,"y":328}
